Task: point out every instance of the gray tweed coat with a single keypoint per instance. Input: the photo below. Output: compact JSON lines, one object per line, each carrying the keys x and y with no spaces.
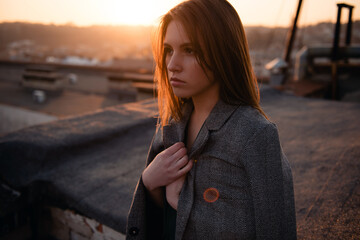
{"x":239,"y":188}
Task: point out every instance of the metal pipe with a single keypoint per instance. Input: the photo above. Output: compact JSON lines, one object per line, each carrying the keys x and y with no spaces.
{"x":291,"y":35}
{"x":337,"y":34}
{"x":349,"y":27}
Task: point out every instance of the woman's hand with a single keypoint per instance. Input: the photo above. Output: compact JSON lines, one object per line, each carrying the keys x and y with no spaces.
{"x":167,"y":167}
{"x":173,"y":191}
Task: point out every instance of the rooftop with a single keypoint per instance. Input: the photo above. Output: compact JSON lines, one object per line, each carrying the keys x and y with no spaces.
{"x":104,"y":152}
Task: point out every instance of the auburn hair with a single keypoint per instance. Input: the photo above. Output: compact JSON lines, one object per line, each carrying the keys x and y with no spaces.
{"x":218,"y":38}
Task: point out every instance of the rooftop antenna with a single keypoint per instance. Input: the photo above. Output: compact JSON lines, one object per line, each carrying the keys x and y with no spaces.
{"x":337,"y":29}
{"x":335,"y":49}
{"x":291,"y":38}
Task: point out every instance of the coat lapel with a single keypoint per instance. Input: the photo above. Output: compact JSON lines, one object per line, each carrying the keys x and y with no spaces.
{"x":216,"y":119}
{"x":186,"y":198}
{"x":175,"y":132}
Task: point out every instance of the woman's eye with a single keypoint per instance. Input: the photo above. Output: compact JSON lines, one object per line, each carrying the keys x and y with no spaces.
{"x":189,"y":50}
{"x":167,"y":51}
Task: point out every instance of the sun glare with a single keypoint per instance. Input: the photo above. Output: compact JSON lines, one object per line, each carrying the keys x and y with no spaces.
{"x":138,"y":12}
{"x":129,"y":13}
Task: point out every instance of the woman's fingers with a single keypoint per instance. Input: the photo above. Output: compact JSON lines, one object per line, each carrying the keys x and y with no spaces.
{"x":186,"y":168}
{"x":182,"y":162}
{"x":173,"y":154}
{"x":179,"y":154}
{"x":173,"y":149}
{"x":167,"y":166}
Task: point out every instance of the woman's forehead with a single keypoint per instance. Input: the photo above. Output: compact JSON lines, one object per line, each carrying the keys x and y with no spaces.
{"x":176,"y":33}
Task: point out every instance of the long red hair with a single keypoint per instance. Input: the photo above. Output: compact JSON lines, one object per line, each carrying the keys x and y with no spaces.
{"x":218,"y":36}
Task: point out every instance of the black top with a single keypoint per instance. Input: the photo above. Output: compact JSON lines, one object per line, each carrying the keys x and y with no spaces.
{"x":169,"y":221}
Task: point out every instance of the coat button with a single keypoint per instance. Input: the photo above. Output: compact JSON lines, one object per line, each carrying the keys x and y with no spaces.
{"x":133,"y":231}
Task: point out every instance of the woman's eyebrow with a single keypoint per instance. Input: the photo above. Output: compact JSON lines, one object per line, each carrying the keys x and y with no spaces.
{"x":181,"y":46}
{"x":186,"y":45}
{"x":167,"y":45}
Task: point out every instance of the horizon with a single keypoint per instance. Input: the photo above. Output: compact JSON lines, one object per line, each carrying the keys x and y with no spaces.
{"x":85,"y":13}
{"x":145,"y":26}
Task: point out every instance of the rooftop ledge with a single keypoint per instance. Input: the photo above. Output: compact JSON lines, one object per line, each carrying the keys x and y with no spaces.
{"x":91,"y":163}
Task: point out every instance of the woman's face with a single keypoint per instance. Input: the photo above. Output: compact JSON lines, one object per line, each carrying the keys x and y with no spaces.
{"x":186,"y":76}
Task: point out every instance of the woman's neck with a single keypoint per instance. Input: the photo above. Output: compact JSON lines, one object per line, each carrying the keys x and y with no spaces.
{"x":202,"y":108}
{"x":203,"y":104}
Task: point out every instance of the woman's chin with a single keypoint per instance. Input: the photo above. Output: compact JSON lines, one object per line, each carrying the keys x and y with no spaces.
{"x":181,"y":94}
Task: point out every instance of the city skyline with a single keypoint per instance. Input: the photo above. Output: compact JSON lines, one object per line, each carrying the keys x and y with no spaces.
{"x":274,"y":13}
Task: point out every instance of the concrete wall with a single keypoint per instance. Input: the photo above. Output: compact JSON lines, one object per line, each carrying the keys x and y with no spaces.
{"x":14,"y":118}
{"x":67,"y":225}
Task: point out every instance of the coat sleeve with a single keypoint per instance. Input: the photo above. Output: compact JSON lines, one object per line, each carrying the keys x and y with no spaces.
{"x":271,"y":185}
{"x":145,"y":217}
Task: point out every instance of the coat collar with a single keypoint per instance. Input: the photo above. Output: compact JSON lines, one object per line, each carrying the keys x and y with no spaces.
{"x":175,"y":131}
{"x":219,"y":114}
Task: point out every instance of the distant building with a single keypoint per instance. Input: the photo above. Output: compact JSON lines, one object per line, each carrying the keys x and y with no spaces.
{"x":75,"y":60}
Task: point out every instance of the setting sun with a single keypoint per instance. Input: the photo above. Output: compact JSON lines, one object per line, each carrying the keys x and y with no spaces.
{"x":132,"y":12}
{"x":145,"y":12}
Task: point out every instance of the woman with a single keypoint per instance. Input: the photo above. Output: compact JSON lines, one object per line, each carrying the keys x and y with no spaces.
{"x":215,"y":169}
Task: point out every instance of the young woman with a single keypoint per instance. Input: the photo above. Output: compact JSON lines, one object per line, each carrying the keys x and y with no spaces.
{"x":215,"y":169}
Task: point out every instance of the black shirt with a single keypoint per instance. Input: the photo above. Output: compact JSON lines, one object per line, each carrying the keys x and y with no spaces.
{"x":169,"y":221}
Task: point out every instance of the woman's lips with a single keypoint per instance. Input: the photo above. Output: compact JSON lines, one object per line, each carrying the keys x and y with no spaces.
{"x":175,"y":82}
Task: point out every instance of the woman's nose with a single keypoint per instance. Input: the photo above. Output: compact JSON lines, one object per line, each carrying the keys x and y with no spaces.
{"x":174,"y":64}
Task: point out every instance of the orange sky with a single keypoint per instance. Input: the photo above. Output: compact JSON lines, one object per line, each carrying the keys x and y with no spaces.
{"x":146,"y":12}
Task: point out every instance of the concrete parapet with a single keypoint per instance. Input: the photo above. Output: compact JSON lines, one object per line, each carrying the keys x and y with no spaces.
{"x":85,"y":163}
{"x":68,"y":225}
{"x":14,"y":118}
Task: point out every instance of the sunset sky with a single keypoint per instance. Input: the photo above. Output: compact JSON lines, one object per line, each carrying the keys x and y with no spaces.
{"x":146,"y":12}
